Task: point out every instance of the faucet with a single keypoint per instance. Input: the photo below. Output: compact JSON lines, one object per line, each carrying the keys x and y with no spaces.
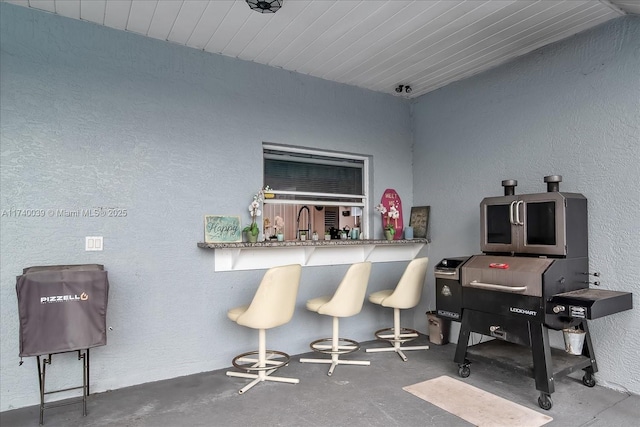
{"x":308,"y":229}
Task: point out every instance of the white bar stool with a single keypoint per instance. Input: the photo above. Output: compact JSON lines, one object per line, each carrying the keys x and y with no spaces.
{"x":406,"y":295}
{"x":346,"y":301}
{"x":273,"y":305}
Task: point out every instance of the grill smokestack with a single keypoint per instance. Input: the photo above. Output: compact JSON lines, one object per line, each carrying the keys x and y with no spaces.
{"x":553,"y":183}
{"x":509,"y":186}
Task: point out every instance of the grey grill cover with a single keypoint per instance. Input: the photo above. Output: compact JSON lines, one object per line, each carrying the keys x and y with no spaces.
{"x":62,"y":308}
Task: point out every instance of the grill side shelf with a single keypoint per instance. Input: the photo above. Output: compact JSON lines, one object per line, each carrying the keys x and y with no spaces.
{"x":590,"y":303}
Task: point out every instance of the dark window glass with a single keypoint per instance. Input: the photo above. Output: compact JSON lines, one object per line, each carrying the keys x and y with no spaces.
{"x":541,"y":223}
{"x":498,"y":224}
{"x":312,"y":173}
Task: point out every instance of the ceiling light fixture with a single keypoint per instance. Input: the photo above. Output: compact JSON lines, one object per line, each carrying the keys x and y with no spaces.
{"x":406,"y":88}
{"x":262,"y":6}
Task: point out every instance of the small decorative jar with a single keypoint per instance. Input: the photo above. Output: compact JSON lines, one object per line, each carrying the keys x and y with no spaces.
{"x":408,"y":233}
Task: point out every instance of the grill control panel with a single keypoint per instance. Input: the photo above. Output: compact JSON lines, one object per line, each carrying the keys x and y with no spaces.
{"x":570,"y":311}
{"x":580,"y":312}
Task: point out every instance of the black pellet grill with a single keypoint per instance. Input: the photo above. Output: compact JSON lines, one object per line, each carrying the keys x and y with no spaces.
{"x":62,"y":309}
{"x":516,"y":297}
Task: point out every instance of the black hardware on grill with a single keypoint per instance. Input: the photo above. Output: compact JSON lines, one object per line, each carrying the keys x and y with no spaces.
{"x":533,"y":276}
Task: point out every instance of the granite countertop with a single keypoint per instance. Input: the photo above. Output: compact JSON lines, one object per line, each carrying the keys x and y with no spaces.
{"x":312,"y":243}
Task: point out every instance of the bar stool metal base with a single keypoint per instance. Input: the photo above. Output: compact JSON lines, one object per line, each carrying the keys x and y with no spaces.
{"x":396,"y":340}
{"x":325,"y":346}
{"x":335,"y":347}
{"x":272,"y":361}
{"x":261,"y":367}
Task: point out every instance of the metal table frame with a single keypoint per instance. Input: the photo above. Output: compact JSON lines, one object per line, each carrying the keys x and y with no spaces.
{"x":42,"y":372}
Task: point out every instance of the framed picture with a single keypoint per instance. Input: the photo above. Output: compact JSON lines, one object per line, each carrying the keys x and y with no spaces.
{"x":420,"y":221}
{"x":222,"y":229}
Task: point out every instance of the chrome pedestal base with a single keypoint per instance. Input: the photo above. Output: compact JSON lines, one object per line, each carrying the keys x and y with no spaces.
{"x":335,"y":346}
{"x":261,"y":367}
{"x":397,"y":336}
{"x":396,"y":339}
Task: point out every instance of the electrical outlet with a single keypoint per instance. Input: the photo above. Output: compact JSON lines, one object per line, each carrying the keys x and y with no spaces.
{"x":93,"y":243}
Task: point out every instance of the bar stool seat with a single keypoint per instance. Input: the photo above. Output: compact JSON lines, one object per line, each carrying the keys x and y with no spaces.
{"x":315,"y":303}
{"x":345,"y":302}
{"x":406,"y":295}
{"x":378,"y":297}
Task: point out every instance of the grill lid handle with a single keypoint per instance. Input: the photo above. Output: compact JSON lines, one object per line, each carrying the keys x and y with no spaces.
{"x":494,"y":287}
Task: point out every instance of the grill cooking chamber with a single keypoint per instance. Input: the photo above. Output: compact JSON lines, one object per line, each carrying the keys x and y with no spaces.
{"x":519,"y":287}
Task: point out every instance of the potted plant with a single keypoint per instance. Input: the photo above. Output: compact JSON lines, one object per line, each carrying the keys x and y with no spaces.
{"x":389,"y":231}
{"x":303,"y":235}
{"x":253,"y":230}
{"x":387,"y":216}
{"x":327,"y":235}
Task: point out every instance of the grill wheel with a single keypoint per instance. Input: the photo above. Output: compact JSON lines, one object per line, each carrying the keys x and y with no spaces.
{"x":544,"y":401}
{"x":464,"y":370}
{"x":588,"y":380}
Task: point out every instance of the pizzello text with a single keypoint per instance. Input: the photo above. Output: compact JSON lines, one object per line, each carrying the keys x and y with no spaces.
{"x":64,"y":298}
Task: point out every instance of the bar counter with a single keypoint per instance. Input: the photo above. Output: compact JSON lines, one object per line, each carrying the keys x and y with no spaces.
{"x":269,"y":253}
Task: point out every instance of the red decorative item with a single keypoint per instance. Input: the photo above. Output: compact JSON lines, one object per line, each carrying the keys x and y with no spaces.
{"x":499,"y":265}
{"x":391,"y":198}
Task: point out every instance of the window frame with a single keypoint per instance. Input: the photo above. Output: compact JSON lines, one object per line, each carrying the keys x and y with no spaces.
{"x":364,"y":202}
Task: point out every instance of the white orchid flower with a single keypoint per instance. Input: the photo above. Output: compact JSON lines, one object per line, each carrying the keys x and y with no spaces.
{"x":380,"y":208}
{"x":393,"y":212}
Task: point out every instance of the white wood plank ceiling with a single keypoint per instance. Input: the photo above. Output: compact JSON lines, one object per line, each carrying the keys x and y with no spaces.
{"x":372,"y":44}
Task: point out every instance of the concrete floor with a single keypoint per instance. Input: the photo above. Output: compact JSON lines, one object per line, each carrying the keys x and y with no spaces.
{"x":353,"y":396}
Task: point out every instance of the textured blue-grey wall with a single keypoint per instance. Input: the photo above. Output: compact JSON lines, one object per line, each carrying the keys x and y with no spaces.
{"x":572,"y":109}
{"x":92,"y":117}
